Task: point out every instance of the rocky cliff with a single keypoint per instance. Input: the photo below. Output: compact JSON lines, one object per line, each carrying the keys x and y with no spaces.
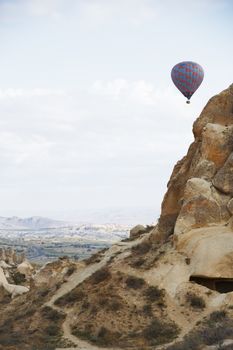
{"x":168,"y":287}
{"x":203,"y":178}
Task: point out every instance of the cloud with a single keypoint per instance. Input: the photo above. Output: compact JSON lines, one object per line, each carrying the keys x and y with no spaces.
{"x":94,"y":13}
{"x":138,"y":91}
{"x":27,"y":93}
{"x":16,"y":150}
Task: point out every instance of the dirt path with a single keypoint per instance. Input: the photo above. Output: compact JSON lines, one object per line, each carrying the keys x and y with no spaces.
{"x":74,"y":280}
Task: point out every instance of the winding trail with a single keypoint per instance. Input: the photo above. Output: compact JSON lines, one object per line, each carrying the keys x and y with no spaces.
{"x":74,"y":280}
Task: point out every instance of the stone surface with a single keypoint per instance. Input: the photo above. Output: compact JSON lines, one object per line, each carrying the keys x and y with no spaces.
{"x":201,"y":205}
{"x":136,"y":231}
{"x":223,"y":180}
{"x":217,"y":143}
{"x":230,"y":206}
{"x":207,"y":159}
{"x":25,"y":268}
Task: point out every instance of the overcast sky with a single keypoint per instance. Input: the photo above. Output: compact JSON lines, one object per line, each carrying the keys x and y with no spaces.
{"x":89,"y":117}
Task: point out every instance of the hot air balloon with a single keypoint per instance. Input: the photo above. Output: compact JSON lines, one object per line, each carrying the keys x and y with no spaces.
{"x":187,"y":77}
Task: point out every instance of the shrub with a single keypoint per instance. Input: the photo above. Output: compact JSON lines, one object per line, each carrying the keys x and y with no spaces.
{"x":217,"y":316}
{"x":95,"y":258}
{"x":43,"y":292}
{"x":104,"y":337}
{"x":72,"y":297}
{"x":158,"y":332}
{"x":137,"y":263}
{"x":71,"y":270}
{"x":189,"y":343}
{"x":19,"y":278}
{"x":100,"y":275}
{"x":134,"y":282}
{"x":147,"y":310}
{"x":141,"y":248}
{"x":153,"y":294}
{"x":51,"y":314}
{"x":195,"y":301}
{"x":215,"y":335}
{"x":53,"y":330}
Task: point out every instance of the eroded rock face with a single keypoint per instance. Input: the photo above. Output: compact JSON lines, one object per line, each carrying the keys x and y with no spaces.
{"x":137,"y":231}
{"x":223,"y":180}
{"x":201,"y":184}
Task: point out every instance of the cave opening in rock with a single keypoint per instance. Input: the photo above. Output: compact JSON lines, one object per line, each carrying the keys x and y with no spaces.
{"x":221,"y":285}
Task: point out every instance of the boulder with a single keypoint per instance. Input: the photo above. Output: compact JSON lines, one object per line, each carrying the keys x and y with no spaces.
{"x":137,"y":231}
{"x":230,"y":206}
{"x":223,"y":180}
{"x":201,"y":205}
{"x":25,"y":268}
{"x":217,"y":143}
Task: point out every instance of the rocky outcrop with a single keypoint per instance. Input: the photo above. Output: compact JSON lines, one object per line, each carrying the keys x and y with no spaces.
{"x":201,"y":184}
{"x":137,"y":231}
{"x":13,"y":270}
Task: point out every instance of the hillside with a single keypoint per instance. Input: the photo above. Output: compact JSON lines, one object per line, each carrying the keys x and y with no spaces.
{"x":166,"y":287}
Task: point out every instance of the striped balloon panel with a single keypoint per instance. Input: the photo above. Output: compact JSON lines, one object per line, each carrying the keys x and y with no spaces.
{"x":187,"y":77}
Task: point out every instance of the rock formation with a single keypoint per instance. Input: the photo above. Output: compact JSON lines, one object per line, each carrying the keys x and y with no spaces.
{"x":14,"y":270}
{"x":201,"y":184}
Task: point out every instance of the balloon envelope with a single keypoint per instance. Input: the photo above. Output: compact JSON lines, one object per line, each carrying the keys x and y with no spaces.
{"x":187,"y":77}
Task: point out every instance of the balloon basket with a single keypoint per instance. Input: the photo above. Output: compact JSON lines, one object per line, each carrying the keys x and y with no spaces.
{"x":188,"y":102}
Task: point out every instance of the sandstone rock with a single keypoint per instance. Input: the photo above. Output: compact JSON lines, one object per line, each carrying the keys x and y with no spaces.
{"x":25,"y":268}
{"x":205,"y":169}
{"x":4,"y":265}
{"x":223,"y":180}
{"x":137,"y":231}
{"x":217,"y":143}
{"x":210,"y":250}
{"x":230,"y":206}
{"x":219,"y":110}
{"x":205,"y":159}
{"x":201,"y":206}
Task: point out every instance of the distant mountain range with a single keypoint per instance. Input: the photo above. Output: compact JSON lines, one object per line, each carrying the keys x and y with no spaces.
{"x":34,"y":222}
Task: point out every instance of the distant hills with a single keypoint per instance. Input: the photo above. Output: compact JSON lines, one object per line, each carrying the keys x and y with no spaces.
{"x":34,"y":222}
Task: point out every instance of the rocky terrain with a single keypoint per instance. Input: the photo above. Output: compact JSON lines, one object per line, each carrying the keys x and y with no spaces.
{"x":166,"y":287}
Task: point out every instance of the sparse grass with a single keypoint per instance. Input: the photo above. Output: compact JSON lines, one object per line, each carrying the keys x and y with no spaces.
{"x":195,"y":301}
{"x":134,"y":282}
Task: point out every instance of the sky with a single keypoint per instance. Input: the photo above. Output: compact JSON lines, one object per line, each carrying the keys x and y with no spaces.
{"x":90,"y":121}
